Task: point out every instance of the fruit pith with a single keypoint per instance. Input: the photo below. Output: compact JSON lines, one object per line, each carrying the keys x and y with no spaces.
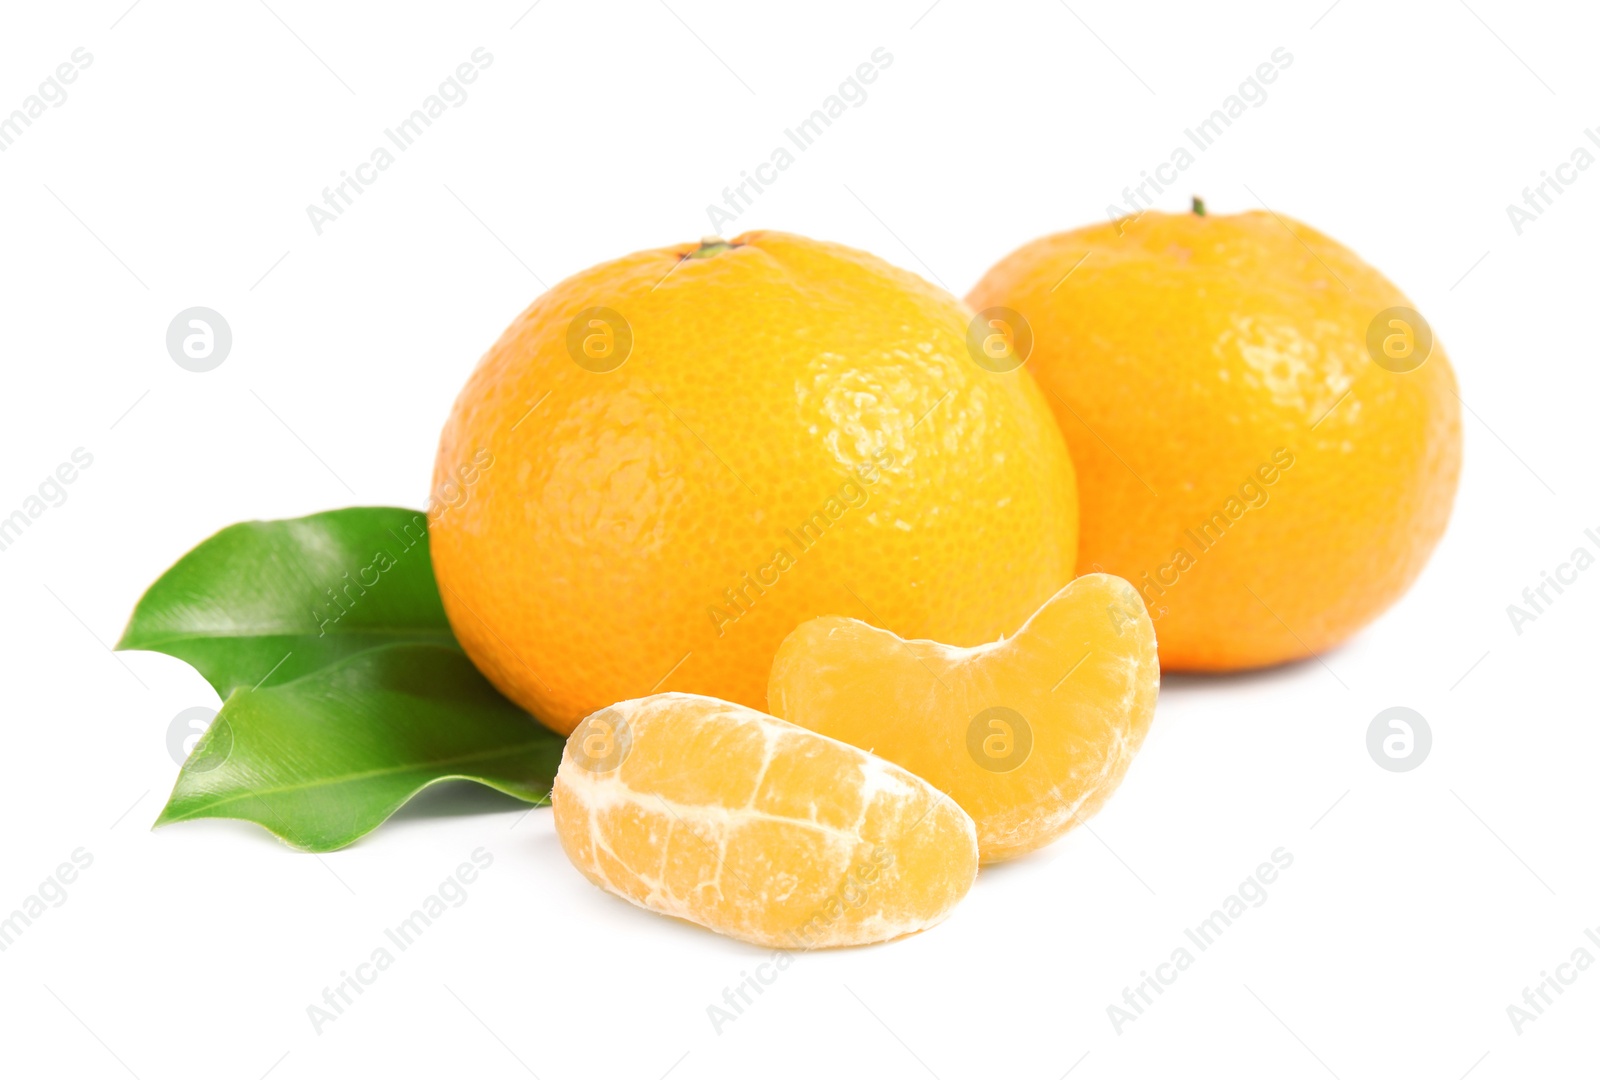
{"x":756,"y":828}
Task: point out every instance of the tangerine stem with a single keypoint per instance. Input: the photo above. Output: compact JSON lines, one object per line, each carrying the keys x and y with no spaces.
{"x":709,"y":246}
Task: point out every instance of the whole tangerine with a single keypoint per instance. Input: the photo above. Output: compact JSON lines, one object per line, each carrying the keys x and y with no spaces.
{"x":671,"y":460}
{"x":1267,"y":437}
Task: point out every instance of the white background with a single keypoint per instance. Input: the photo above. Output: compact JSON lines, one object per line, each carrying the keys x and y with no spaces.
{"x":177,"y":173}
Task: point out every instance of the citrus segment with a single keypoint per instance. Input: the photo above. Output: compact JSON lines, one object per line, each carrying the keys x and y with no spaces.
{"x":756,"y":828}
{"x":1029,"y":734}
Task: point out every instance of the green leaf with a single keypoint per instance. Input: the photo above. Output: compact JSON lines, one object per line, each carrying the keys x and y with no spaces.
{"x":266,"y":602}
{"x":344,"y":690}
{"x":324,"y":759}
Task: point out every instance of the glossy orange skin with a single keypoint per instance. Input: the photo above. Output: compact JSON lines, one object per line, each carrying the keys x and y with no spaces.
{"x":626,"y":538}
{"x":1186,"y":357}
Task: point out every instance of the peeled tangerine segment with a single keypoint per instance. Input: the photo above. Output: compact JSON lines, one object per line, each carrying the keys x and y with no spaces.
{"x":1029,"y":734}
{"x":755,"y":828}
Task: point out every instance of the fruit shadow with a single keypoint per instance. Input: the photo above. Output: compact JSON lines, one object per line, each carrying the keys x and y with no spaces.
{"x":1200,"y":682}
{"x":457,"y":798}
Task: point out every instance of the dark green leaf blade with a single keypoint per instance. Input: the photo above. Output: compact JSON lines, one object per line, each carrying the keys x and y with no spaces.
{"x":323,"y":760}
{"x":265,"y":602}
